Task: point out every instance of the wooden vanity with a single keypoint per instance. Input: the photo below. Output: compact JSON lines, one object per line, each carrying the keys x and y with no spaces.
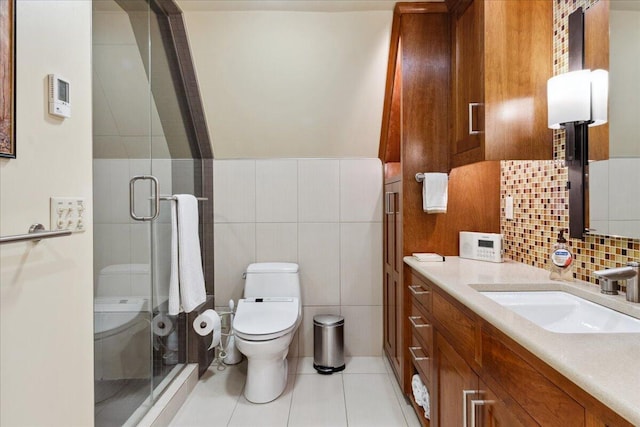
{"x":478,"y":375}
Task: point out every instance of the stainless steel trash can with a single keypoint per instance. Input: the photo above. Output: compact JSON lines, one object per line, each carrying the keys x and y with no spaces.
{"x":328,"y":343}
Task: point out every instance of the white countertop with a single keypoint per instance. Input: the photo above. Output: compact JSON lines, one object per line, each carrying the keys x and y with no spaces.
{"x":605,"y":365}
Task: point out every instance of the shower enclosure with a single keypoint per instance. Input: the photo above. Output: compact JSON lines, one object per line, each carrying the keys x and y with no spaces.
{"x":145,"y":148}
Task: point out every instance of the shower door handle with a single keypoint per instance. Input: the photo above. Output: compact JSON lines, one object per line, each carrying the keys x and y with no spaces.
{"x":132,"y":198}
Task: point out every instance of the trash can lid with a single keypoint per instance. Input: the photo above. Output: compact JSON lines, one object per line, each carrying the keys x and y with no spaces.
{"x":328,"y":320}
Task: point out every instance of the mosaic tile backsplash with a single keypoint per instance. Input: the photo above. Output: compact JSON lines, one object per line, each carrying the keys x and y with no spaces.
{"x":541,"y":202}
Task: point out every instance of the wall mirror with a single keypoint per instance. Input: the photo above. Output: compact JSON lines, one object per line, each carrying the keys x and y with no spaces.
{"x":614,"y":150}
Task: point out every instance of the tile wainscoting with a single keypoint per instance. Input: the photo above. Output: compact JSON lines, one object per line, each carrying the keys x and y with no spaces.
{"x":325,"y":215}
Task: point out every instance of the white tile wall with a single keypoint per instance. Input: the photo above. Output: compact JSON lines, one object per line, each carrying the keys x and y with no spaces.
{"x":320,"y":277}
{"x":277,"y":191}
{"x":360,"y":260}
{"x":324,"y":214}
{"x":118,"y":239}
{"x":360,"y":190}
{"x":234,"y":191}
{"x":318,"y":199}
{"x":277,"y":242}
{"x":234,"y":249}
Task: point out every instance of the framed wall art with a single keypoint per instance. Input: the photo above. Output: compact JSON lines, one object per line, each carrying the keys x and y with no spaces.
{"x":7,"y":78}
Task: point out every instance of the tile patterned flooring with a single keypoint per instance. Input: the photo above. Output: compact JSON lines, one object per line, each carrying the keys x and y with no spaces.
{"x":364,"y":394}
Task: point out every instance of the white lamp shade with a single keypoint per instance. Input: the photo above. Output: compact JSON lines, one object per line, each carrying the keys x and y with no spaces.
{"x":569,"y":98}
{"x":599,"y":97}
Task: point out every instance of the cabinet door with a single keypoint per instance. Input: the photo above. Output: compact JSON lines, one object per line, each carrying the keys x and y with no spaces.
{"x":456,"y":383}
{"x":467,"y":83}
{"x":392,"y":285}
{"x":488,"y":410}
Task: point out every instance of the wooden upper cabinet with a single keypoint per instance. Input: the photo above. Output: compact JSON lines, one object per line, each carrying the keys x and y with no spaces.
{"x":501,"y":61}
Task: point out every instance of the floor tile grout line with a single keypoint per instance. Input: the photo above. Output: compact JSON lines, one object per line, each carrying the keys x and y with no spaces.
{"x":344,"y":400}
{"x":293,"y":390}
{"x":236,"y":405}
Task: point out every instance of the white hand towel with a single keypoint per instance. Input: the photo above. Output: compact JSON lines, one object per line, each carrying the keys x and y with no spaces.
{"x":434,"y":192}
{"x":186,"y":286}
{"x":426,"y":405}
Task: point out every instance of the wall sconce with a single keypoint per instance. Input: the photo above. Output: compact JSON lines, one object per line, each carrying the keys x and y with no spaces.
{"x":578,"y":97}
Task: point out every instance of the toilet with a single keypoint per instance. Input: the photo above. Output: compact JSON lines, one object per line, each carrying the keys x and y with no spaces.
{"x":121,"y":338}
{"x":265,"y":321}
{"x":122,"y":323}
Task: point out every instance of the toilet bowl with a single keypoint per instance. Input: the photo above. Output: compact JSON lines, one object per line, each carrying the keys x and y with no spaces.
{"x":265,"y":321}
{"x":114,"y":315}
{"x":121,"y":345}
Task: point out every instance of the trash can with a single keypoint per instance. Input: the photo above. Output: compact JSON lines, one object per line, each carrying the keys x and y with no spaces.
{"x":328,"y":343}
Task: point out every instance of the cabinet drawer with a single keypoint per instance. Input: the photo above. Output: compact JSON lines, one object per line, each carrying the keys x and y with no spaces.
{"x":460,"y":328}
{"x":422,"y":328}
{"x":545,"y":402}
{"x":421,"y":359}
{"x":421,"y":292}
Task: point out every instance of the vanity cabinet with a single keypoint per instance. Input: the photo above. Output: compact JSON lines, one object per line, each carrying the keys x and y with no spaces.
{"x":501,"y":61}
{"x":478,"y":376}
{"x":421,"y":347}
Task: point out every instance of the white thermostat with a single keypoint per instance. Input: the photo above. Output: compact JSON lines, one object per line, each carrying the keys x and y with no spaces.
{"x":59,"y":101}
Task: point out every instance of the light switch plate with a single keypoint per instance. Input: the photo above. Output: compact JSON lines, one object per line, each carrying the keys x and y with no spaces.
{"x":67,"y":213}
{"x":508,"y":207}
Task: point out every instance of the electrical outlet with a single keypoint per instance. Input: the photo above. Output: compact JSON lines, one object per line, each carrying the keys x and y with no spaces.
{"x":67,"y":213}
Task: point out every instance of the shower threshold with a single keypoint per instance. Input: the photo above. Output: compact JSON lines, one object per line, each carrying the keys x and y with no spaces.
{"x":167,"y":397}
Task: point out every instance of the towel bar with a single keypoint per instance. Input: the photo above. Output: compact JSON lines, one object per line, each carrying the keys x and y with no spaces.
{"x":36,"y":233}
{"x":420,"y":177}
{"x":200,"y":199}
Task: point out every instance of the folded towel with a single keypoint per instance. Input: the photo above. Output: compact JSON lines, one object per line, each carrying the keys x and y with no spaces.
{"x":186,"y":284}
{"x":434,"y":192}
{"x":421,"y":395}
{"x":425,"y":402}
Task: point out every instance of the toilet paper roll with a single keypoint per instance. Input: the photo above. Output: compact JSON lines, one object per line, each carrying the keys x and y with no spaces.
{"x":209,"y":323}
{"x":162,"y":325}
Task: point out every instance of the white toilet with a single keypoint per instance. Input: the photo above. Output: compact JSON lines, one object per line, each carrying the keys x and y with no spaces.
{"x":266,"y":320}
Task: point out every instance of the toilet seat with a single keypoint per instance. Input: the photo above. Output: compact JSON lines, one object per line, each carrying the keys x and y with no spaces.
{"x":263,"y":319}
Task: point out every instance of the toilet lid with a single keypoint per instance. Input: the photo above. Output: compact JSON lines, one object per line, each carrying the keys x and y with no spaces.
{"x":265,"y":316}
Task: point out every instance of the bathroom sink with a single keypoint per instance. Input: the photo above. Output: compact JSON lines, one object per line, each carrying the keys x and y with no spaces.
{"x":565,"y":313}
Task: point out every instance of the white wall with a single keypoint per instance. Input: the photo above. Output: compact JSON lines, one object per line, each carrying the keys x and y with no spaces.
{"x":290,"y":84}
{"x":46,"y":293}
{"x":325,"y":215}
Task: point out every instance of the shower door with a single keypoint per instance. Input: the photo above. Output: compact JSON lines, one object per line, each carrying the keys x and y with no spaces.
{"x":136,"y":344}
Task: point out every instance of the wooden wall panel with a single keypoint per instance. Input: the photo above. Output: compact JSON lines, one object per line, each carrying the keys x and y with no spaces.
{"x":596,"y":56}
{"x":425,"y":125}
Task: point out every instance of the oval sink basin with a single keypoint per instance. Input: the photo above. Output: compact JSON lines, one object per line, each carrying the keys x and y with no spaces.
{"x":565,"y":313}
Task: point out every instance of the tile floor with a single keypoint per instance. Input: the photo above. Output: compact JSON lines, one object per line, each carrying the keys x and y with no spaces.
{"x":364,"y":394}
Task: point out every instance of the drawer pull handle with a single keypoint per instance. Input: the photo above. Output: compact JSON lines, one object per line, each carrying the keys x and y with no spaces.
{"x":413,"y":319}
{"x":472,"y":105}
{"x":413,"y":290}
{"x":412,"y":350}
{"x":474,"y":405}
{"x":387,"y":203}
{"x":465,"y":395}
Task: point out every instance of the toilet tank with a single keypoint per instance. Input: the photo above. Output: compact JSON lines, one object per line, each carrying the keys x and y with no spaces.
{"x":272,"y":279}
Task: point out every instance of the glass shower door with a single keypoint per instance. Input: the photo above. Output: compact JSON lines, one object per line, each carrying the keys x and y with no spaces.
{"x":136,"y":343}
